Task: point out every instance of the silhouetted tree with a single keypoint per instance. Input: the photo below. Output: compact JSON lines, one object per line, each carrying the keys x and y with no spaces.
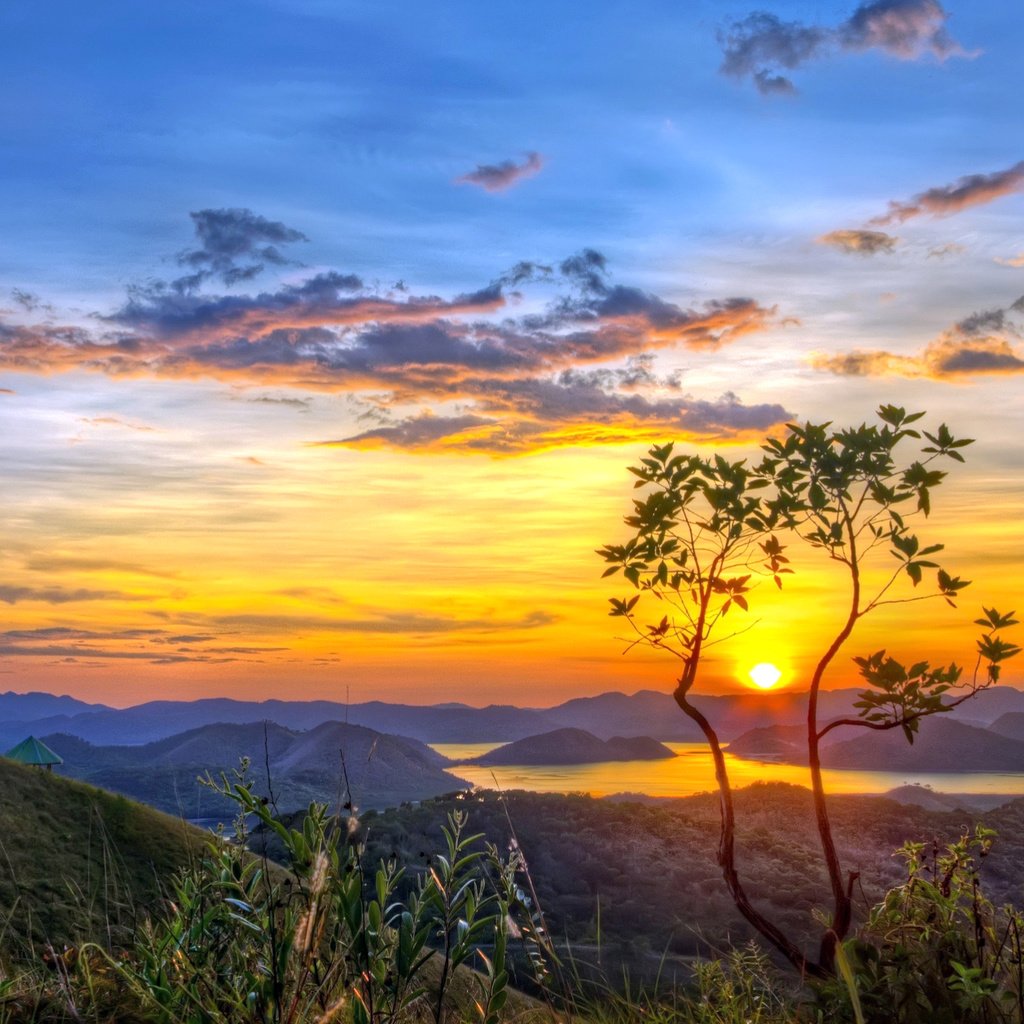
{"x":705,"y":527}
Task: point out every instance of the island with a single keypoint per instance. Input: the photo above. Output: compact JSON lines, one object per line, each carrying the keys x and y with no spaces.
{"x":574,"y":746}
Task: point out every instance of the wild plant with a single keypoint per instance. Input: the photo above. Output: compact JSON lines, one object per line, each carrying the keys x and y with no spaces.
{"x":314,"y":940}
{"x":936,"y":950}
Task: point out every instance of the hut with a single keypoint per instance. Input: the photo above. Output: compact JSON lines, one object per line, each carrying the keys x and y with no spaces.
{"x":34,"y":752}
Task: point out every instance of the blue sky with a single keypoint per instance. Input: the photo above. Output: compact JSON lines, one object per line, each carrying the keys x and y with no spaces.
{"x":796,"y":209}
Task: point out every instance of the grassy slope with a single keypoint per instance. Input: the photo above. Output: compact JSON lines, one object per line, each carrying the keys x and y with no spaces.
{"x":77,"y":862}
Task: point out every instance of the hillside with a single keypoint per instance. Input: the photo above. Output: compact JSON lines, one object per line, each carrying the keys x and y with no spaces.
{"x":79,"y":862}
{"x":574,"y":746}
{"x":303,"y":766}
{"x":649,"y":870}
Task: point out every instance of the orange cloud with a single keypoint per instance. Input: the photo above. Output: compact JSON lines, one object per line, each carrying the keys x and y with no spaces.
{"x":970,"y":190}
{"x":581,"y":363}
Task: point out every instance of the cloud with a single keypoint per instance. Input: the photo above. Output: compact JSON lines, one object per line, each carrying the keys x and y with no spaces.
{"x":79,"y":563}
{"x":983,"y":343}
{"x":148,"y":645}
{"x":861,"y":242}
{"x":586,"y":344}
{"x":970,"y":190}
{"x":384,"y":622}
{"x":532,"y":415}
{"x":234,"y":245}
{"x":115,"y":421}
{"x":498,"y":177}
{"x":759,"y":45}
{"x":940,"y":252}
{"x":907,"y":29}
{"x":1012,"y":261}
{"x":762,"y":42}
{"x":58,"y":595}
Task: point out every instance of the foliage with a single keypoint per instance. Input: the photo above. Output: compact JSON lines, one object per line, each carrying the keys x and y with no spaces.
{"x":706,"y":527}
{"x":936,"y":950}
{"x":246,"y":941}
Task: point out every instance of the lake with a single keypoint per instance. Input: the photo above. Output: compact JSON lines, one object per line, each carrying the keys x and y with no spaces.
{"x":693,"y":772}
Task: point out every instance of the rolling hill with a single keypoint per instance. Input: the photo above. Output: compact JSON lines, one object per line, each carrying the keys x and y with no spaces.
{"x":294,"y":767}
{"x":79,"y":862}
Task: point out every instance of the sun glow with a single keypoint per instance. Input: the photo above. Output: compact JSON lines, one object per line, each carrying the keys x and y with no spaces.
{"x":764,"y":675}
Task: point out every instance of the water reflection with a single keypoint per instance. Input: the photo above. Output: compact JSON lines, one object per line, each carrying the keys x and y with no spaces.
{"x":693,"y":772}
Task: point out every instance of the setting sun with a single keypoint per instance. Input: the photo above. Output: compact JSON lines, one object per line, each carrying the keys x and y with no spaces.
{"x":764,"y":675}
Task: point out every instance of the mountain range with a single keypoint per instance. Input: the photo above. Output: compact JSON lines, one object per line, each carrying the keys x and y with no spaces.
{"x":645,"y":713}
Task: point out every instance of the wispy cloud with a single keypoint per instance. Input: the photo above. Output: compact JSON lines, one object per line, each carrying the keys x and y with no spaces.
{"x":1012,"y":261}
{"x":943,"y":200}
{"x":59,"y":595}
{"x":861,"y":242}
{"x":498,"y":177}
{"x":940,"y":252}
{"x":981,"y":344}
{"x":381,"y":622}
{"x":762,"y":45}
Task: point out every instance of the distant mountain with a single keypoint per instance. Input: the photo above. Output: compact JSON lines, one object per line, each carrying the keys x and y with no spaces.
{"x":324,"y":764}
{"x":24,"y":707}
{"x":941,"y":745}
{"x":932,"y":800}
{"x":575,"y":746}
{"x":645,"y":713}
{"x":787,"y":743}
{"x":1010,"y":725}
{"x":79,"y":862}
{"x":158,"y":719}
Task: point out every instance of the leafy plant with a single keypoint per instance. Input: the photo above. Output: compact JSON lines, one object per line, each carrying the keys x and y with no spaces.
{"x":248,"y":940}
{"x":706,"y":529}
{"x":936,"y":950}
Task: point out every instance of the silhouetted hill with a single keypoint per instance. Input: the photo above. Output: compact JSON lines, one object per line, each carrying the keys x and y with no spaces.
{"x":575,"y":746}
{"x":1010,"y":725}
{"x":786,"y":743}
{"x":303,"y":766}
{"x":934,"y":800}
{"x":646,"y":713}
{"x":23,"y":707}
{"x":941,"y":745}
{"x":79,"y":862}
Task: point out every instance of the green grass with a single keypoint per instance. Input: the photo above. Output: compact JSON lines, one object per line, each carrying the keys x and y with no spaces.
{"x":77,"y":862}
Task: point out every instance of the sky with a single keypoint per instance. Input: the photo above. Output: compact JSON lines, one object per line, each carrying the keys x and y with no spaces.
{"x":328,"y":330}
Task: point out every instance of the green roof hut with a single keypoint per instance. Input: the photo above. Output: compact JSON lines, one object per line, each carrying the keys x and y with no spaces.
{"x":34,"y":752}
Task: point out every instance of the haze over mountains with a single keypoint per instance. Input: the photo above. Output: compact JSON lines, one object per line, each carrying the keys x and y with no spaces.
{"x":645,"y":713}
